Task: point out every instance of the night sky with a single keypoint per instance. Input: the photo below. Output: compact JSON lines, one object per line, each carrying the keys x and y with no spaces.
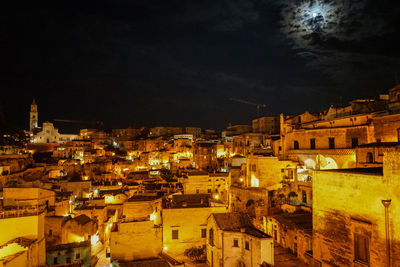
{"x":178,"y":63}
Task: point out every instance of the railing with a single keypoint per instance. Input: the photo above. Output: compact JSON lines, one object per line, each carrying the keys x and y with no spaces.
{"x":23,"y":212}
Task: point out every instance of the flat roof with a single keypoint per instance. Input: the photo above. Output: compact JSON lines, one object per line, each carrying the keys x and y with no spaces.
{"x":366,"y":171}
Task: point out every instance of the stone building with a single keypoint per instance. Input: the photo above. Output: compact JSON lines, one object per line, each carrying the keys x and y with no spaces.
{"x":33,"y":116}
{"x":292,"y":231}
{"x":266,"y":125}
{"x":356,"y":215}
{"x":184,"y":220}
{"x":206,"y":183}
{"x":135,"y":240}
{"x":22,"y":240}
{"x":49,"y":134}
{"x":79,"y":253}
{"x":267,"y":171}
{"x":233,"y":241}
{"x":205,"y":155}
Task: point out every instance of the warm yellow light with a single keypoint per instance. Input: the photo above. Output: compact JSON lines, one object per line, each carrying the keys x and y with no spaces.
{"x":254,"y":181}
{"x":119,"y":183}
{"x":11,"y":249}
{"x":109,"y":199}
{"x":85,"y":177}
{"x":94,"y":239}
{"x":76,"y":238}
{"x":165,"y":248}
{"x":152,"y":217}
{"x":216,"y":197}
{"x":241,"y":179}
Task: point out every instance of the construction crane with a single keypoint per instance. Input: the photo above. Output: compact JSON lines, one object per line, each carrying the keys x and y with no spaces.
{"x":250,"y":103}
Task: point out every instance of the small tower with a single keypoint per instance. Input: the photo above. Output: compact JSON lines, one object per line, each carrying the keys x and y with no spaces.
{"x":33,"y":121}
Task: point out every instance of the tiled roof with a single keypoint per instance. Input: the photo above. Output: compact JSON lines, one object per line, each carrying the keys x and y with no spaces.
{"x":82,"y":219}
{"x":237,"y":222}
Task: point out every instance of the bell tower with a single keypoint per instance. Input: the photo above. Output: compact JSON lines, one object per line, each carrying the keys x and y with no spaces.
{"x":33,"y":121}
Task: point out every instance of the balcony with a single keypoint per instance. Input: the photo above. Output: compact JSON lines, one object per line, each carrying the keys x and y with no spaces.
{"x":22,"y":212}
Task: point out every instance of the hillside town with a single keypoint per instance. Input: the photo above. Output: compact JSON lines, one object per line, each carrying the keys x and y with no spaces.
{"x":310,"y":189}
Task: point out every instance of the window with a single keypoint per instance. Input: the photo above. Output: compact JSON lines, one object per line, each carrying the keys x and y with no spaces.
{"x":331,"y":142}
{"x":77,"y":256}
{"x":354,"y":142}
{"x":247,"y":245}
{"x":211,"y":237}
{"x":55,"y":260}
{"x":312,"y":143}
{"x":50,"y":232}
{"x":370,"y":157}
{"x":236,"y":243}
{"x":203,"y":233}
{"x":68,"y":259}
{"x":209,"y":190}
{"x":197,"y":191}
{"x":175,"y":234}
{"x":304,"y":196}
{"x":361,"y":248}
{"x":254,"y":167}
{"x":295,"y":144}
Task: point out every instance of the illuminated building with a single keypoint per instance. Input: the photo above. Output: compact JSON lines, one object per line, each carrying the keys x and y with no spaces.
{"x":79,"y":253}
{"x":206,"y":183}
{"x":141,"y":207}
{"x":292,"y":231}
{"x":205,"y":155}
{"x":49,"y":134}
{"x":78,"y":229}
{"x":184,"y":220}
{"x":33,"y":116}
{"x":266,"y":125}
{"x":20,"y":197}
{"x":22,"y":240}
{"x":135,"y":240}
{"x":232,"y":240}
{"x":356,"y":215}
{"x":267,"y":171}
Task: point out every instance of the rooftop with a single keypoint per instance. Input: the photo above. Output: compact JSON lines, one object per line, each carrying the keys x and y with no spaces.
{"x":366,"y":171}
{"x":237,"y":222}
{"x":68,"y":246}
{"x":153,"y":262}
{"x":188,"y":201}
{"x":137,"y":198}
{"x":301,"y":220}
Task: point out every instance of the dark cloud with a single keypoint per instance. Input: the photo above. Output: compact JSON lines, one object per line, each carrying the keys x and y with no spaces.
{"x":179,"y":62}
